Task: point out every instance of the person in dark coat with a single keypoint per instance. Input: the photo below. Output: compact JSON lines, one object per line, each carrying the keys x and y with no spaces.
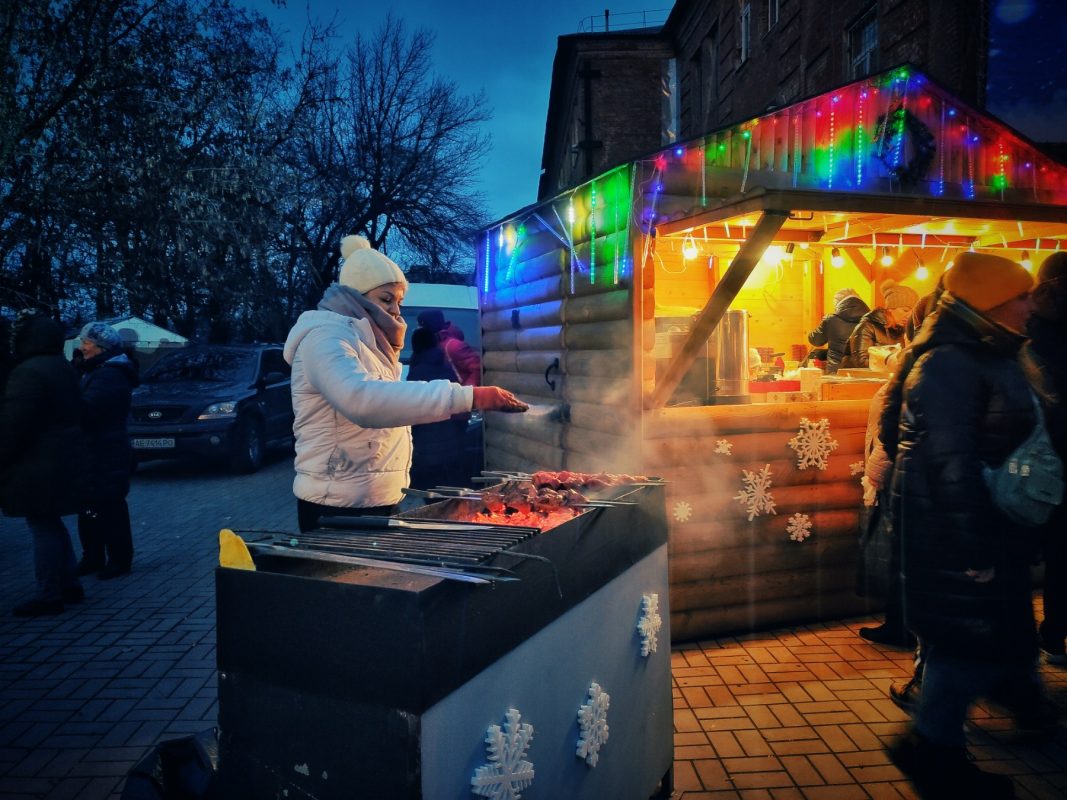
{"x":437,"y":456}
{"x":883,"y":325}
{"x":1047,"y":351}
{"x":42,"y":456}
{"x":963,"y":402}
{"x":108,"y":379}
{"x":463,"y":358}
{"x":836,"y":328}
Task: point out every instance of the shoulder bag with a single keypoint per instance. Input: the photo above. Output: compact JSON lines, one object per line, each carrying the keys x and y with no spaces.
{"x":1028,"y":486}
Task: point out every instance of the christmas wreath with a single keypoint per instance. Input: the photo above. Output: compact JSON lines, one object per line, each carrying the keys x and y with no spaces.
{"x":900,"y":131}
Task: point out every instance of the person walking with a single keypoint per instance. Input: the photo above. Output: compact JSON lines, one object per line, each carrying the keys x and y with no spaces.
{"x":1047,"y":350}
{"x":962,"y":402}
{"x":353,"y":413}
{"x":108,"y":379}
{"x":835,"y":329}
{"x":42,"y":455}
{"x":463,"y":358}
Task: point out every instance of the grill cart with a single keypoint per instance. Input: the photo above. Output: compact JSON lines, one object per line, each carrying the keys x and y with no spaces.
{"x":427,"y":656}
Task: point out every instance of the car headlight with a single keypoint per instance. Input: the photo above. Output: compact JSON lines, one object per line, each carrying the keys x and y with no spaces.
{"x":220,"y":410}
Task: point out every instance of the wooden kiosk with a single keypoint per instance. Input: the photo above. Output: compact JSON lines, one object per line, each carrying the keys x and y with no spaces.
{"x":620,"y":310}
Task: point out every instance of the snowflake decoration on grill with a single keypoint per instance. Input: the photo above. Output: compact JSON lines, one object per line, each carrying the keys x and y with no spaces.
{"x":508,"y":771}
{"x":682,"y":511}
{"x":813,"y":443}
{"x":799,"y":527}
{"x":755,"y":494}
{"x":649,"y":623}
{"x":593,"y":724}
{"x":855,"y":468}
{"x":723,"y":446}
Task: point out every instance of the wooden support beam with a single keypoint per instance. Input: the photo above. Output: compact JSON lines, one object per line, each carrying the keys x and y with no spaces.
{"x":741,"y":267}
{"x":861,"y":262}
{"x":1010,"y":232}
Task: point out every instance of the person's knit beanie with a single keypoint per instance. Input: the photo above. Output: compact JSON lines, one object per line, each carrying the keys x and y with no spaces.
{"x":984,"y":281}
{"x":102,"y":335}
{"x":1053,"y":267}
{"x":897,"y":295}
{"x":364,"y":268}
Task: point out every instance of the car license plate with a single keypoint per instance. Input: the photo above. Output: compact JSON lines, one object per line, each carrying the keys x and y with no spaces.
{"x":152,"y":444}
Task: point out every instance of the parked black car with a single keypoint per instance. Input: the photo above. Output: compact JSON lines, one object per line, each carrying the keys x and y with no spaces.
{"x":216,"y":401}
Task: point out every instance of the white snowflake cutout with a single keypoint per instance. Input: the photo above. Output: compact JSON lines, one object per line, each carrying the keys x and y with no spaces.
{"x":723,"y":446}
{"x":799,"y":527}
{"x":755,"y":492}
{"x":649,"y":623}
{"x":813,"y":443}
{"x":507,"y":772}
{"x":593,"y":725}
{"x":855,"y":468}
{"x":682,"y":511}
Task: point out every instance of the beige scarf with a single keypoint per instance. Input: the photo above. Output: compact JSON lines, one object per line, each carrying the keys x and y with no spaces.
{"x":388,"y":331}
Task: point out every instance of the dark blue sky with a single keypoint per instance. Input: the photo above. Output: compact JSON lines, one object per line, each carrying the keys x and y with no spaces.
{"x":1027,"y":67}
{"x":505,"y":48}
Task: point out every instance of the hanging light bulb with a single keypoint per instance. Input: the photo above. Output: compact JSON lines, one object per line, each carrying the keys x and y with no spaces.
{"x":921,"y":273}
{"x":1025,"y":262}
{"x":836,"y":259}
{"x":886,"y":260}
{"x":689,"y":247}
{"x":773,"y":255}
{"x":803,"y":245}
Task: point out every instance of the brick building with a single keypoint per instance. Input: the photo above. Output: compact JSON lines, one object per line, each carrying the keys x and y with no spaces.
{"x":618,"y":95}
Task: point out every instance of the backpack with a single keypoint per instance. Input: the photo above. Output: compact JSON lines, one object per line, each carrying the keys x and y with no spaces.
{"x":1028,"y":486}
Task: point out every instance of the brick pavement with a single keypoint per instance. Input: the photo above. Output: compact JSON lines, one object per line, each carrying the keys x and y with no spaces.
{"x":794,"y":713}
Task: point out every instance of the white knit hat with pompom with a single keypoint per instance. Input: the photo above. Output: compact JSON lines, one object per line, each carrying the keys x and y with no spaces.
{"x":364,"y":268}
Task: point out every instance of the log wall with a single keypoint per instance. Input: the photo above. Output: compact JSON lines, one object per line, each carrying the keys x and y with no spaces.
{"x":561,"y":337}
{"x":729,"y":573}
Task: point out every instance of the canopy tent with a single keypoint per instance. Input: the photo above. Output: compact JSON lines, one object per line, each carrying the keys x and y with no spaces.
{"x":144,"y":337}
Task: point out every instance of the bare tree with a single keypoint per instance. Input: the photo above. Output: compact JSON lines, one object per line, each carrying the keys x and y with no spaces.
{"x":392,"y":157}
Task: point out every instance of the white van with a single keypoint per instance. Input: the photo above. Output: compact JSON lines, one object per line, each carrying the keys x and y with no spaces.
{"x":458,"y":303}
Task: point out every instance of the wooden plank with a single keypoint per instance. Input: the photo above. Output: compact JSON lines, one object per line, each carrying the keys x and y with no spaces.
{"x":720,"y":420}
{"x":819,"y":551}
{"x":709,"y":535}
{"x":698,"y":618}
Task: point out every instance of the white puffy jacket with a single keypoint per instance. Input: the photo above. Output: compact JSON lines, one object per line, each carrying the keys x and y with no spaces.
{"x":353,"y":440}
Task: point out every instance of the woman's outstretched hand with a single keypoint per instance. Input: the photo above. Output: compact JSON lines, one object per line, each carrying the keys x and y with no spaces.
{"x":493,"y":398}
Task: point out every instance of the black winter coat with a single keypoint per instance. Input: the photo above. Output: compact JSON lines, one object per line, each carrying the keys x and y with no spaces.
{"x":835,"y":329}
{"x":964,"y":402}
{"x":436,"y":443}
{"x":872,"y":329}
{"x":42,"y":452}
{"x":108,"y":379}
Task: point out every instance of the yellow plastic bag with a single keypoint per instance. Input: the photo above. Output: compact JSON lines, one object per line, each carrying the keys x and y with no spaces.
{"x":233,"y":552}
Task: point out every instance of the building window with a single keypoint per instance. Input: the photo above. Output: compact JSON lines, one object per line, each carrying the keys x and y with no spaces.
{"x":772,"y":13}
{"x":746,"y":31}
{"x":863,"y":45}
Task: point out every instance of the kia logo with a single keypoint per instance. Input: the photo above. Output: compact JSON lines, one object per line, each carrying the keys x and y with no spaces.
{"x":155,"y":414}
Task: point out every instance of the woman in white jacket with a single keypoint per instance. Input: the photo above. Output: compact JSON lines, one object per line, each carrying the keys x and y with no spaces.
{"x":353,"y":413}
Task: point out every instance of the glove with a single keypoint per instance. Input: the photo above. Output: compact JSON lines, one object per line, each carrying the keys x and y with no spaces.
{"x":493,"y":398}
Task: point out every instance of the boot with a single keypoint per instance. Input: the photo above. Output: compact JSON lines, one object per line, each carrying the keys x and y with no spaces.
{"x":939,"y":771}
{"x":905,"y":694}
{"x":894,"y":636}
{"x":38,"y":608}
